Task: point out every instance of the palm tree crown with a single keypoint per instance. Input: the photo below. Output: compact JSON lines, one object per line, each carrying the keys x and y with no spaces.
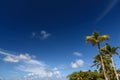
{"x":96,"y":38}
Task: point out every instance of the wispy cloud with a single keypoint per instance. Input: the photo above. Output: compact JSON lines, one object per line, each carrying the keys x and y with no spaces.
{"x":107,"y":10}
{"x":77,"y":54}
{"x":36,"y":69}
{"x":77,"y":63}
{"x":39,"y":70}
{"x":42,"y":35}
{"x":33,"y":34}
{"x":15,"y":58}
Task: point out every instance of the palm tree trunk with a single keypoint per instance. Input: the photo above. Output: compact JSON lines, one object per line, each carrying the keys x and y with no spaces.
{"x":114,"y":68}
{"x":103,"y":67}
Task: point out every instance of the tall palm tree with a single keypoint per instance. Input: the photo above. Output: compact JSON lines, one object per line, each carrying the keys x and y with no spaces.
{"x":108,"y":50}
{"x":97,"y":62}
{"x":95,"y":39}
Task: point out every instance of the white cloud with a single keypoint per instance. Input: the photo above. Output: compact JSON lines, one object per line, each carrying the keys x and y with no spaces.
{"x":44,"y":35}
{"x":77,"y":63}
{"x":10,"y":59}
{"x":77,"y":54}
{"x":39,"y":69}
{"x":36,"y":69}
{"x":24,"y":57}
{"x":14,"y":58}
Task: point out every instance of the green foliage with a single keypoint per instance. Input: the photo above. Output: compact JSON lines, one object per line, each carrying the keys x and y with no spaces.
{"x":86,"y":75}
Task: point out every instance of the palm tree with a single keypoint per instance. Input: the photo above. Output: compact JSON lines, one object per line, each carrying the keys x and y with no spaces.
{"x":95,"y":39}
{"x":108,"y":50}
{"x":97,"y":62}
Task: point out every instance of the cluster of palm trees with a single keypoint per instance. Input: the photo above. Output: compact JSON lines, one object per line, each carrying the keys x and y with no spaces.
{"x":104,"y":60}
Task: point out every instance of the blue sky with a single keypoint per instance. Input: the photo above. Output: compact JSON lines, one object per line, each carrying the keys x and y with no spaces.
{"x":45,"y":39}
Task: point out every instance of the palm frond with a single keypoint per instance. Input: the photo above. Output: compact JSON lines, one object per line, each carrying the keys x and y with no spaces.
{"x":91,"y":39}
